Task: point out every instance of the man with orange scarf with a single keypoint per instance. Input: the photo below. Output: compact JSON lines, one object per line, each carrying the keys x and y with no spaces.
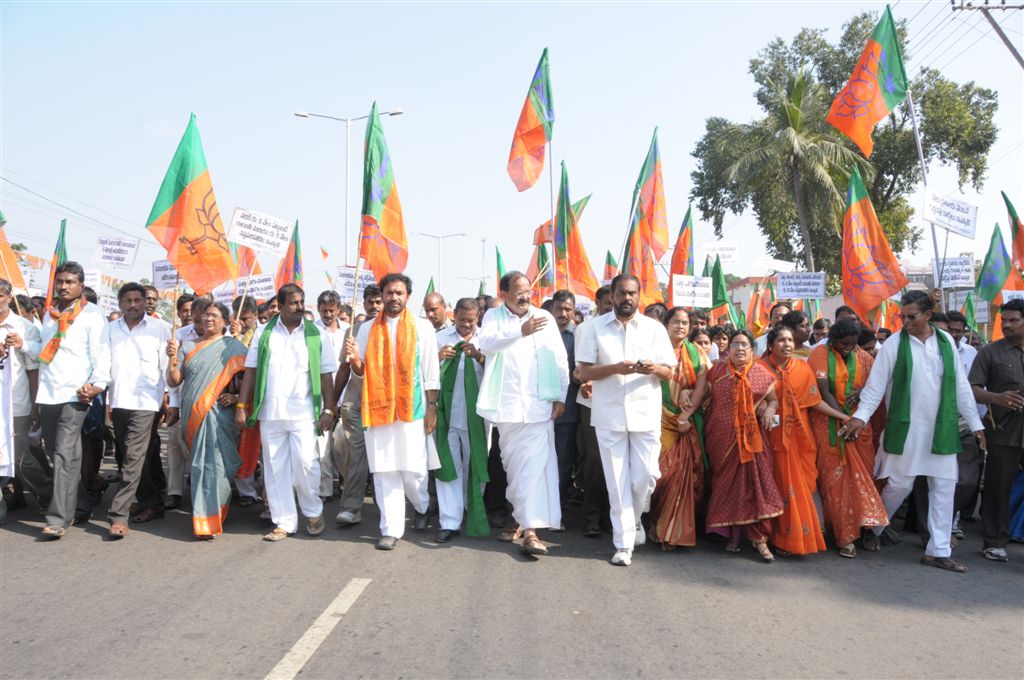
{"x":74,"y":368}
{"x":397,"y":357}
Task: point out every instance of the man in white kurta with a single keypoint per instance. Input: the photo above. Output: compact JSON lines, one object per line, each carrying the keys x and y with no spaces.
{"x":397,"y":451}
{"x":626,"y":355}
{"x":524,"y":385}
{"x":917,"y":458}
{"x":451,"y":496}
{"x":288,"y":411}
{"x":328,"y":307}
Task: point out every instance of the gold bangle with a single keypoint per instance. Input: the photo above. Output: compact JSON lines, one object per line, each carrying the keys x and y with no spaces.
{"x":241,"y":404}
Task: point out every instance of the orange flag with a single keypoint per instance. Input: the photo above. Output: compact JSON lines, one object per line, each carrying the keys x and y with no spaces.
{"x":870,"y":270}
{"x":533,"y":131}
{"x":9,"y":264}
{"x":755,"y":323}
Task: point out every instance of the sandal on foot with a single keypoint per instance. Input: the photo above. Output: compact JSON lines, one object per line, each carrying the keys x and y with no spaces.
{"x":510,"y":535}
{"x":871,"y":541}
{"x":944,"y":563}
{"x":849,"y":550}
{"x":732,"y":547}
{"x":278,"y":534}
{"x":534,"y":547}
{"x":53,"y":532}
{"x":118,"y":530}
{"x":315,"y":525}
{"x":766,"y":554}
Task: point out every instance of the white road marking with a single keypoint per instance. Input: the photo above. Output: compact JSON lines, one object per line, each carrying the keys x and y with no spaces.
{"x":288,"y":667}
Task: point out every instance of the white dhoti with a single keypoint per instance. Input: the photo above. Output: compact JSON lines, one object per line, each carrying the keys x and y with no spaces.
{"x":630,"y":462}
{"x":451,"y":496}
{"x":290,"y":469}
{"x":397,"y":456}
{"x":528,"y":456}
{"x":940,"y":508}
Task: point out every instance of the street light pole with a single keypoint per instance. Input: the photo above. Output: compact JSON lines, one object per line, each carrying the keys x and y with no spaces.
{"x":439,"y":238}
{"x":348,"y":159}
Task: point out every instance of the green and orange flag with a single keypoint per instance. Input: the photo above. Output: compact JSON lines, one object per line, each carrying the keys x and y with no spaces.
{"x":290,"y":268}
{"x":9,"y":268}
{"x":649,"y":202}
{"x":870,"y":270}
{"x":997,"y":274}
{"x":533,"y":131}
{"x":722,"y":309}
{"x":60,"y":256}
{"x":755,"y":322}
{"x":572,"y":266}
{"x":539,"y":273}
{"x":682,"y":255}
{"x":611,"y":267}
{"x":185,"y":218}
{"x":382,"y":242}
{"x":245,"y":260}
{"x":1016,"y":233}
{"x":430,"y":287}
{"x":877,"y":86}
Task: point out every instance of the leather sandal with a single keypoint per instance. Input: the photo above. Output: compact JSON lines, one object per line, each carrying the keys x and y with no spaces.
{"x":53,"y":533}
{"x":278,"y":534}
{"x":509,"y":535}
{"x":533,"y":546}
{"x":118,"y":530}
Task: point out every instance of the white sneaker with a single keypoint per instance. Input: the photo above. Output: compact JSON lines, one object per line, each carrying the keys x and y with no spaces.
{"x":622,"y":558}
{"x":641,"y":535}
{"x":347,"y":517}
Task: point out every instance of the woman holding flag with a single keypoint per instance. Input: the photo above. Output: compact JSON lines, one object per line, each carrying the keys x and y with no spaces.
{"x":682,"y":460}
{"x":845,"y":479}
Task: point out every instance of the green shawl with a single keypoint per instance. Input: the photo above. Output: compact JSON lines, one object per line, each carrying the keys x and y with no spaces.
{"x":698,"y":417}
{"x":313,"y":347}
{"x":946,"y":437}
{"x":851,"y":372}
{"x":476,"y":515}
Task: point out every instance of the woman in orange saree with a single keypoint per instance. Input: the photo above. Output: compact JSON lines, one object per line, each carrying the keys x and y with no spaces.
{"x":845,"y":478}
{"x":744,"y":496}
{"x":681,"y":486}
{"x":208,"y":371}
{"x":797,"y":530}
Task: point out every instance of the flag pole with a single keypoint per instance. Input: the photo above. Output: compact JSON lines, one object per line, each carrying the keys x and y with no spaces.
{"x":174,"y":304}
{"x":924,"y":180}
{"x":551,"y":194}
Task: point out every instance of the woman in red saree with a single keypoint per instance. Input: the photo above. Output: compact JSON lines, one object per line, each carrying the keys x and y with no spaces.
{"x":845,"y":479}
{"x":797,"y":530}
{"x":681,"y":486}
{"x":744,"y":496}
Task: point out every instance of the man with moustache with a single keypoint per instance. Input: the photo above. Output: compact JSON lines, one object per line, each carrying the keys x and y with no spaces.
{"x":523,"y":393}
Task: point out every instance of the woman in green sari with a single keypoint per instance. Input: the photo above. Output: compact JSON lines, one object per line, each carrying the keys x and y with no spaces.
{"x":209,"y":371}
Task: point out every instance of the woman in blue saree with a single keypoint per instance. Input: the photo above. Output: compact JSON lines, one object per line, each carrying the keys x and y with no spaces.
{"x":209,"y":372}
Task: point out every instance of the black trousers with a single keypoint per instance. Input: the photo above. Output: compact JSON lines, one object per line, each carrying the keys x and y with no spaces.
{"x":1000,"y":469}
{"x":494,"y":494}
{"x":596,"y":508}
{"x":565,"y":452}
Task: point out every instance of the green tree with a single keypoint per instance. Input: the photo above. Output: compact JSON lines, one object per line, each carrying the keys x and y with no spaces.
{"x":957,"y":129}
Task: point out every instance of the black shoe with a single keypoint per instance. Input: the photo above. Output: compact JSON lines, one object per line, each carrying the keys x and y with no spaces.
{"x":420,"y":523}
{"x":172,"y":502}
{"x":592,"y":530}
{"x":445,"y":535}
{"x":890,"y":536}
{"x":387,"y":543}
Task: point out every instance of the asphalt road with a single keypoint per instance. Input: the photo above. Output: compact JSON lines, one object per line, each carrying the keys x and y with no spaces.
{"x":159,"y":604}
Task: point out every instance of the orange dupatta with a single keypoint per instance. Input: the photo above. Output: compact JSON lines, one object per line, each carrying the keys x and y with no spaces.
{"x":390,"y":390}
{"x":793,"y":405}
{"x":748,"y":433}
{"x":64,"y":321}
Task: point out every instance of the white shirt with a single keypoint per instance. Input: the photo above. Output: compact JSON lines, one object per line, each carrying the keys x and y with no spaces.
{"x":426,"y":345}
{"x":519,"y":399}
{"x":337,"y":336}
{"x":182,"y":335}
{"x":138,"y":363}
{"x":22,"y":360}
{"x":925,"y":389}
{"x":625,"y":403}
{"x":450,"y":336}
{"x":83,"y":357}
{"x":967,"y":356}
{"x":289,"y":395}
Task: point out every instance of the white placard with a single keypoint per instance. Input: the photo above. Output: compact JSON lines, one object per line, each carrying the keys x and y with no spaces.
{"x":344,"y":281}
{"x":584,"y":306}
{"x":165,"y":276}
{"x":801,"y":285}
{"x":981,"y":314}
{"x":225,"y":293}
{"x":93,"y":277}
{"x":261,"y":288}
{"x":952,"y":214}
{"x":262,"y":233}
{"x":726,"y":251}
{"x":117,"y":251}
{"x":771,"y":264}
{"x":109,"y":304}
{"x":957,"y":272}
{"x":1012,"y":295}
{"x":691,"y":291}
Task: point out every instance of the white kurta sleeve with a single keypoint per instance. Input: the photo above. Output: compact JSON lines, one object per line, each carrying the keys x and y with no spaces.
{"x":252,"y":356}
{"x":495,"y":336}
{"x":99,"y":353}
{"x":873,"y":392}
{"x":328,"y":357}
{"x":430,"y":367}
{"x":585,"y":342}
{"x":30,"y":348}
{"x":554,"y":339}
{"x":965,"y":404}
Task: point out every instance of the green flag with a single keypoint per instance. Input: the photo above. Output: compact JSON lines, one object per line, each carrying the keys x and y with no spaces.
{"x":430,"y":286}
{"x":995,"y":270}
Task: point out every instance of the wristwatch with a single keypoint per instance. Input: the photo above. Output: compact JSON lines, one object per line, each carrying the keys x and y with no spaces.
{"x":327,"y":411}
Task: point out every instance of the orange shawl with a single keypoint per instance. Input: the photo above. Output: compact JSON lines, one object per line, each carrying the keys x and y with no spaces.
{"x":391,"y":388}
{"x":64,"y":321}
{"x":799,"y":392}
{"x":748,"y":433}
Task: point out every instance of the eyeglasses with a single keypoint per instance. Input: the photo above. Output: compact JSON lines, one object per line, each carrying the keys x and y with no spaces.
{"x":741,"y":347}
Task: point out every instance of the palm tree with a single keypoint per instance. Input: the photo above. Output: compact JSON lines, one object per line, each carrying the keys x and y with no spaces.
{"x":797,"y":147}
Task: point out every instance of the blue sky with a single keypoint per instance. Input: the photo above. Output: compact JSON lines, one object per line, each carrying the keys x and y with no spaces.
{"x":95,"y":96}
